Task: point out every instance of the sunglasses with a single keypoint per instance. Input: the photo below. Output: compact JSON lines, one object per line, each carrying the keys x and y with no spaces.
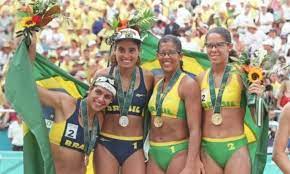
{"x":216,"y":45}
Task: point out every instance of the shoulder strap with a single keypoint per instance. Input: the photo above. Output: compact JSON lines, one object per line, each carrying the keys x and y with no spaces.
{"x":111,"y":70}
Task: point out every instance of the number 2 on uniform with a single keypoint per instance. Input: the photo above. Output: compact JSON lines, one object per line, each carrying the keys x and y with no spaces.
{"x":203,"y":97}
{"x":71,"y":133}
{"x":231,"y":146}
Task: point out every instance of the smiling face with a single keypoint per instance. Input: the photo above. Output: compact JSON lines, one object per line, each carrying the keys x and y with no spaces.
{"x":127,"y":52}
{"x":99,"y":98}
{"x":168,"y":56}
{"x":217,"y":48}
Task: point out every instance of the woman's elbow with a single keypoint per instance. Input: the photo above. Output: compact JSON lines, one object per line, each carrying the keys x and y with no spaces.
{"x":276,"y":156}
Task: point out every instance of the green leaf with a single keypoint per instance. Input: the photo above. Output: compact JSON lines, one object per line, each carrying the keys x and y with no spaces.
{"x":115,"y":24}
{"x":22,"y":14}
{"x":144,"y":19}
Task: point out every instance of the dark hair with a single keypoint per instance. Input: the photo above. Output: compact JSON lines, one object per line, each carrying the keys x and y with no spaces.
{"x":221,"y":31}
{"x":113,"y":58}
{"x":173,"y":39}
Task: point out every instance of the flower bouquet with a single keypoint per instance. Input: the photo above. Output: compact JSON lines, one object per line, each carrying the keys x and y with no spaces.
{"x":141,"y":21}
{"x":36,"y":15}
{"x":251,"y":71}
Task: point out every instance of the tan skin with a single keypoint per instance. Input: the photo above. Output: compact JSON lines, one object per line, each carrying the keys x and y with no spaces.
{"x":280,"y":157}
{"x":232,"y":124}
{"x":126,"y":53}
{"x":64,"y":106}
{"x":187,"y":161}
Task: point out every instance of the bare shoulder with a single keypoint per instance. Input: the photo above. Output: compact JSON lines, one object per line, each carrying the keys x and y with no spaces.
{"x":188,"y":87}
{"x":188,"y":81}
{"x":200,"y":77}
{"x":149,"y":79}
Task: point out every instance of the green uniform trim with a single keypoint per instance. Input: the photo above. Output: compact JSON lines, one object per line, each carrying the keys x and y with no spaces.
{"x":163,"y":154}
{"x":221,"y":151}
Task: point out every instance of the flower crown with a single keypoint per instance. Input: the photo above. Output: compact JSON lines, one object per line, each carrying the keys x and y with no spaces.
{"x":139,"y":22}
{"x":36,"y":15}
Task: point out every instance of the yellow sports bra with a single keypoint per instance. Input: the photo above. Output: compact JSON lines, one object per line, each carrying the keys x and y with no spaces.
{"x":172,"y":105}
{"x":232,"y":96}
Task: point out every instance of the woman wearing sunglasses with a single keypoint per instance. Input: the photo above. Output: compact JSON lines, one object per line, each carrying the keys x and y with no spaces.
{"x":224,"y":144}
{"x":176,"y":115}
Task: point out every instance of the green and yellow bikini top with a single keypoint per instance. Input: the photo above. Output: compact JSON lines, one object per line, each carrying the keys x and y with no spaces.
{"x":233,"y":95}
{"x":172,"y":106}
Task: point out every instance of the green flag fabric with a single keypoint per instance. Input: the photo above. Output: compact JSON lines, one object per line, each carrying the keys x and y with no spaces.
{"x":21,"y":92}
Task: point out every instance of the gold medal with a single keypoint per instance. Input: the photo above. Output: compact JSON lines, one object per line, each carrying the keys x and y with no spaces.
{"x":216,"y":119}
{"x":158,"y":122}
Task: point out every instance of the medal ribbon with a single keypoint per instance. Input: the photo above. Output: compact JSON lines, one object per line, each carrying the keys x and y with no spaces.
{"x":216,"y":102}
{"x":159,"y":97}
{"x":89,"y":137}
{"x":125,"y":100}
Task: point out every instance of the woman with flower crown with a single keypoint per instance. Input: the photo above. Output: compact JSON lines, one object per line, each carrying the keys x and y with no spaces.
{"x":120,"y":147}
{"x":224,"y":145}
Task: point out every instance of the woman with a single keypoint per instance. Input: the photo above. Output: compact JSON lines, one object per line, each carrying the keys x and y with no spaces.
{"x":224,"y":145}
{"x":280,"y":157}
{"x":121,"y":142}
{"x":75,"y":128}
{"x":284,"y":94}
{"x":175,"y":109}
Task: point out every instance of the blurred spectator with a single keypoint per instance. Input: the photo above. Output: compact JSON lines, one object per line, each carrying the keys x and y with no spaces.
{"x":82,"y":76}
{"x":188,"y":43}
{"x":15,"y":134}
{"x":52,"y":56}
{"x":286,"y":10}
{"x":172,"y":27}
{"x":281,"y":66}
{"x":74,"y":50}
{"x":182,"y":15}
{"x":94,"y":65}
{"x":253,"y":37}
{"x":272,"y":34}
{"x":271,"y":56}
{"x":5,"y":54}
{"x":104,"y":34}
{"x":265,"y":19}
{"x":275,"y":83}
{"x":285,"y":46}
{"x":284,"y":94}
{"x":239,"y":45}
{"x":52,"y":38}
{"x":159,"y":28}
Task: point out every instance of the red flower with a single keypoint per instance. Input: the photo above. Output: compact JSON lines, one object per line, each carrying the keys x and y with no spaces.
{"x":122,"y":24}
{"x":36,"y":19}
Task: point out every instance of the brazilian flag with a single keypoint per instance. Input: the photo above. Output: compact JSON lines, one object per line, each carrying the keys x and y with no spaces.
{"x":20,"y":90}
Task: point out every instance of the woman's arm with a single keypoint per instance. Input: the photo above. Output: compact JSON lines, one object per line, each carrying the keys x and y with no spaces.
{"x":280,"y":157}
{"x":190,"y":93}
{"x":47,"y":97}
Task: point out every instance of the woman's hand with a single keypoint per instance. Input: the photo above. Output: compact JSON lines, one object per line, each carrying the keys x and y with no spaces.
{"x":256,"y":88}
{"x":32,"y":46}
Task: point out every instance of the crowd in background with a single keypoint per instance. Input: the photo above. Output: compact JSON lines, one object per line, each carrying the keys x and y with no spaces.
{"x":76,"y":41}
